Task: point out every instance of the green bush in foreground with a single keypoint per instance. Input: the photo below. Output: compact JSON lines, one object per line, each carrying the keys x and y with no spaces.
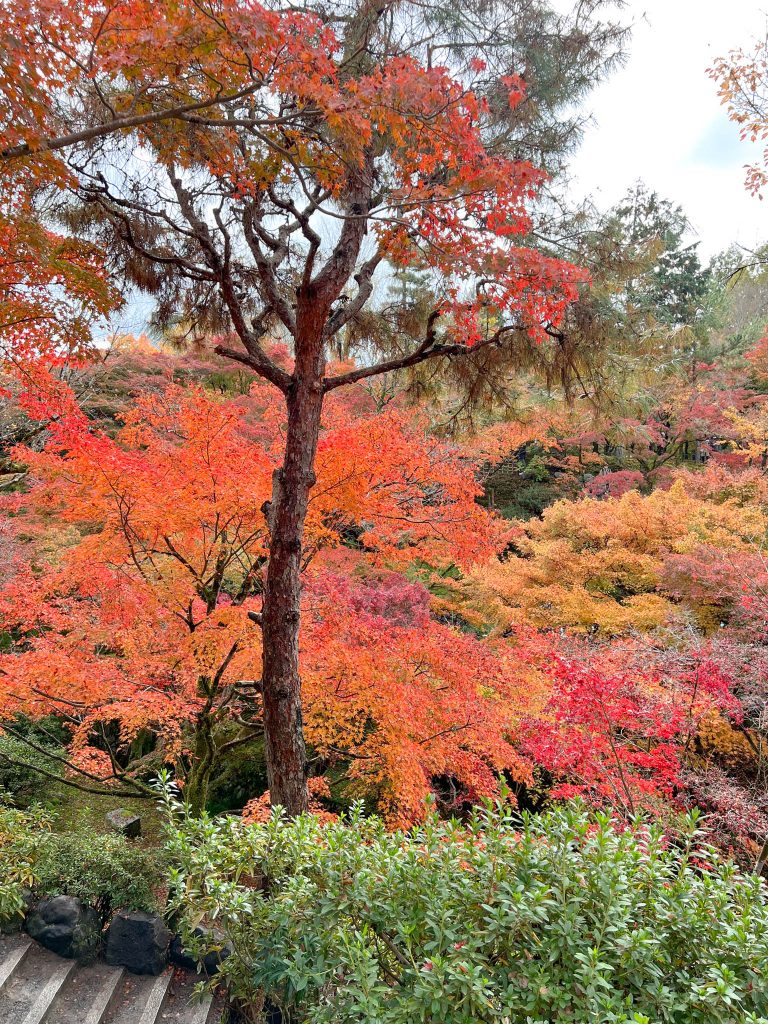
{"x":106,"y":871}
{"x":563,"y":917}
{"x":21,"y":835}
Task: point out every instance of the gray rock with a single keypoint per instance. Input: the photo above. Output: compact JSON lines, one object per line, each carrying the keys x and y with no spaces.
{"x":67,"y":926}
{"x":139,"y":942}
{"x":211,"y":962}
{"x":128,"y":825}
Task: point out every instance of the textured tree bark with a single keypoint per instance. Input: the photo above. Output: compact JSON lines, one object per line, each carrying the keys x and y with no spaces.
{"x":284,"y":734}
{"x":281,"y":612}
{"x":762,"y":859}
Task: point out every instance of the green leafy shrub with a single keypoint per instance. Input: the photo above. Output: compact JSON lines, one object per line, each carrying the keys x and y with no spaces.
{"x":22,"y":833}
{"x":563,"y":917}
{"x":106,"y":871}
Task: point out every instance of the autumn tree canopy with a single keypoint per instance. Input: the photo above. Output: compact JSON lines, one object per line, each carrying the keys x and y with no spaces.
{"x":268,"y":162}
{"x":142,"y":619}
{"x":271,"y":523}
{"x":742,"y":79}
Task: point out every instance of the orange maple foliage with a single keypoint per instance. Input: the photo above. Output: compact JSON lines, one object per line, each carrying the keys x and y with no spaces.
{"x":742,"y":78}
{"x":147,"y":70}
{"x":254,"y":123}
{"x":53,"y":290}
{"x":134,"y":600}
{"x":411,"y":700}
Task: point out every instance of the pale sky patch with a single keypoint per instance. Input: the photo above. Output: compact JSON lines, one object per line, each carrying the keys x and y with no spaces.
{"x":659,"y":119}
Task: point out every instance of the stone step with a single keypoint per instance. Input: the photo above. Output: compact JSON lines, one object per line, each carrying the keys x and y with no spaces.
{"x":167,"y":999}
{"x":32,"y":986}
{"x":138,"y":999}
{"x":38,"y":987}
{"x":41,"y":1007}
{"x":182,"y":1005}
{"x":87,"y":996}
{"x":204,"y":1011}
{"x":104,"y":996}
{"x":156,"y":998}
{"x":13,"y":949}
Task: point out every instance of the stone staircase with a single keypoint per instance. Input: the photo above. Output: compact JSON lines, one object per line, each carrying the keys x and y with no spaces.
{"x":38,"y":987}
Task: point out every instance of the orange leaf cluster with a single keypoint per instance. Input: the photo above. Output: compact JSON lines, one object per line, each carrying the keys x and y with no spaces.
{"x":133,"y":600}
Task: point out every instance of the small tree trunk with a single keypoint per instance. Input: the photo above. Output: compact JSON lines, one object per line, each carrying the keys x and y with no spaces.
{"x":198,"y":781}
{"x":762,"y":859}
{"x":283,"y":730}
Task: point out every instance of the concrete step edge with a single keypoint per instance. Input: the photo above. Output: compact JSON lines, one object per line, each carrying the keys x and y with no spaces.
{"x":39,"y":1009}
{"x":104,"y":997}
{"x":200,"y":1011}
{"x":156,"y":998}
{"x":13,"y":960}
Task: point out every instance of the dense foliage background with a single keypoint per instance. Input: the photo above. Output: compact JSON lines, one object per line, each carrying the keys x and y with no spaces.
{"x":571,"y":594}
{"x":425,"y":485}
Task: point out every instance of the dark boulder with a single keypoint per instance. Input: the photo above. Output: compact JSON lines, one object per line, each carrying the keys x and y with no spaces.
{"x":271,"y":1014}
{"x":67,"y":926}
{"x":139,"y":942}
{"x":210,"y":963}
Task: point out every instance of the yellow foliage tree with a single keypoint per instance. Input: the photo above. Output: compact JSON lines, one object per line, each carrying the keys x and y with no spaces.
{"x":599,"y":565}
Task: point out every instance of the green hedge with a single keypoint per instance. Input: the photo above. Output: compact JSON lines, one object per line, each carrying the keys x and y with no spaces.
{"x":567,"y":917}
{"x":106,"y":871}
{"x":22,"y":833}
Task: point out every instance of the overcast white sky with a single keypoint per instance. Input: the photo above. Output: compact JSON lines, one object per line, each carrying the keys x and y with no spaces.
{"x":659,"y":119}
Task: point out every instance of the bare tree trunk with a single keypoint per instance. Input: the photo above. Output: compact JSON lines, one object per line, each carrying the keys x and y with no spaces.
{"x":281,"y":611}
{"x":762,"y":859}
{"x":284,"y":735}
